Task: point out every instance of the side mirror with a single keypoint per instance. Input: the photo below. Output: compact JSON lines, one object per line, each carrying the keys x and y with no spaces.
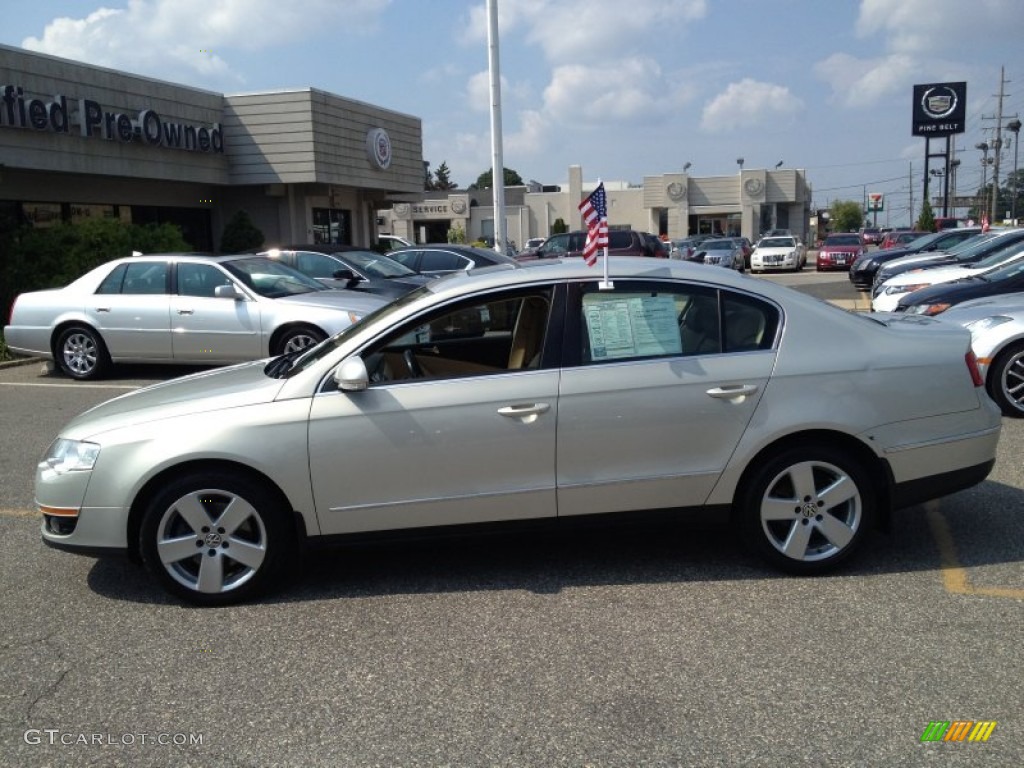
{"x":227,"y":292}
{"x":351,"y":375}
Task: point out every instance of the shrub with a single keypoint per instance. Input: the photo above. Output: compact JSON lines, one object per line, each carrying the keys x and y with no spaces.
{"x":240,"y":234}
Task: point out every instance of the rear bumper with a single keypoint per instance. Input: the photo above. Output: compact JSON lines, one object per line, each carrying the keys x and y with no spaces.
{"x":923,"y":489}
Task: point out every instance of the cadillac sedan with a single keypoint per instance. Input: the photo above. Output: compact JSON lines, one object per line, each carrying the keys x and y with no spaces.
{"x":179,"y":308}
{"x":560,"y":397}
{"x":778,"y":253}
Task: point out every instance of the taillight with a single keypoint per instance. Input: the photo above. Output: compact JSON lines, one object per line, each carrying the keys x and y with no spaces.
{"x":972,"y":366}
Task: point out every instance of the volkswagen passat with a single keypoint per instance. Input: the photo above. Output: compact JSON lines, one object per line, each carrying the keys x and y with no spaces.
{"x":179,"y":308}
{"x":558,"y":398}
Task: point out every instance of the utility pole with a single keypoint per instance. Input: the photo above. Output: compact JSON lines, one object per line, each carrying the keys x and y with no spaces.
{"x":997,"y":145}
{"x":497,"y":159}
{"x":910,"y":180}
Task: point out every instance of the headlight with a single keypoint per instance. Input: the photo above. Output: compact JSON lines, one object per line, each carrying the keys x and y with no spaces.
{"x":928,"y":309}
{"x":986,"y":323}
{"x":71,"y":455}
{"x":892,"y":290}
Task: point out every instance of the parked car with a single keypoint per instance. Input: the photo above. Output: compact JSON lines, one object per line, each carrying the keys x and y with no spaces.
{"x":534,"y":242}
{"x":916,"y":279}
{"x":871,"y":235}
{"x":968,"y":252}
{"x":180,"y":308}
{"x":839,"y":251}
{"x":391,"y":242}
{"x":863,"y":271}
{"x":435,"y":259}
{"x":686,"y":247}
{"x":657,"y":247}
{"x":810,"y":443}
{"x":349,"y":267}
{"x":621,"y":242}
{"x":778,"y":253}
{"x":898,"y":237}
{"x":748,"y":249}
{"x":996,"y":324}
{"x":938,"y":298}
{"x":721,"y":252}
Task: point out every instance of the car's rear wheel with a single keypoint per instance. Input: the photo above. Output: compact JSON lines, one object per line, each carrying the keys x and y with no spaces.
{"x":81,"y":354}
{"x":1006,"y":380}
{"x":215,"y":537}
{"x":807,"y":509}
{"x":298,"y":338}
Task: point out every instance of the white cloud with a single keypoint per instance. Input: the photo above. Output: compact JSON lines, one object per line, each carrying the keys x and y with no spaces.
{"x":588,"y":30}
{"x":928,"y":26}
{"x":621,"y":92}
{"x":155,"y":36}
{"x":750,"y":104}
{"x":864,"y":82}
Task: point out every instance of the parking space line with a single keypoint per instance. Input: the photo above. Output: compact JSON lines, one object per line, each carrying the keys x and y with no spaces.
{"x":19,"y":513}
{"x":955,"y":578}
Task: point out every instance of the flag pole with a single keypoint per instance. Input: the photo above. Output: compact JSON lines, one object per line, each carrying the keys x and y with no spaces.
{"x":605,"y":284}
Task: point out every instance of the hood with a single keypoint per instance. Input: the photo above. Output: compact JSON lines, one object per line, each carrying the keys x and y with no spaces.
{"x":352,"y":301}
{"x":933,"y":275}
{"x":236,"y":386}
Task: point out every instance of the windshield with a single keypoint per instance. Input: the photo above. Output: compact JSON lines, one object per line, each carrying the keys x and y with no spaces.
{"x":777,"y":242}
{"x":1004,"y":273}
{"x":270,"y":279}
{"x":1000,"y":256}
{"x":972,"y":246}
{"x":311,"y":354}
{"x":376,"y":265}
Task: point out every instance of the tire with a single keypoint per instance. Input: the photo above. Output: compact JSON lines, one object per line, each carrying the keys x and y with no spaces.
{"x":1006,"y":380}
{"x":216,"y":537}
{"x":80,"y":353}
{"x":298,"y":338}
{"x":807,"y":509}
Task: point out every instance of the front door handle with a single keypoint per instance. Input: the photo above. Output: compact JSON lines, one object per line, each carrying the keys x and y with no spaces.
{"x":102,"y":309}
{"x":527,"y":412}
{"x":186,"y":311}
{"x":733,"y":391}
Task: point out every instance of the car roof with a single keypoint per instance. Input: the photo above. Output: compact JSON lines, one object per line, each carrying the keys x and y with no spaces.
{"x":320,"y":248}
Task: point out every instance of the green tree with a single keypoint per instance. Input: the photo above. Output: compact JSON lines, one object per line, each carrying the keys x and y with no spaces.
{"x":442,"y":177}
{"x":457,"y":234}
{"x":240,"y":234}
{"x":846,"y":216}
{"x":559,"y":226}
{"x":486,"y":179}
{"x":926,"y":221}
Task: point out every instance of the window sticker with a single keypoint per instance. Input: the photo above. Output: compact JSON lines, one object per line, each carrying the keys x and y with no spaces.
{"x":624,"y":327}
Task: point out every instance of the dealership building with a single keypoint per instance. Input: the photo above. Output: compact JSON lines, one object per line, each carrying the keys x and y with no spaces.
{"x":78,"y":142}
{"x":674,"y":205}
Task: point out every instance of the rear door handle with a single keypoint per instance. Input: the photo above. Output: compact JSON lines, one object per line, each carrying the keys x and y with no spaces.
{"x":102,"y":309}
{"x":733,"y":391}
{"x":186,"y":311}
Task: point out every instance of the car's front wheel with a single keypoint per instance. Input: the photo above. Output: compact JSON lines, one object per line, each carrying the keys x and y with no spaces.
{"x":1006,"y":380}
{"x":216,"y":537}
{"x":807,"y":509}
{"x":298,"y":338}
{"x":80,"y":353}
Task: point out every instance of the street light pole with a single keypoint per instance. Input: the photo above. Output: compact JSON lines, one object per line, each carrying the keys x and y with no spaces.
{"x":982,"y":204}
{"x":1014,"y":127}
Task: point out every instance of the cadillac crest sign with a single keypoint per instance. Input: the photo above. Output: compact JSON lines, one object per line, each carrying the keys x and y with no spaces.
{"x":940,"y":109}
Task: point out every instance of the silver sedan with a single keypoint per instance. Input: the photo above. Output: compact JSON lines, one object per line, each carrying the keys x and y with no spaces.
{"x":996,"y":324}
{"x":180,"y":308}
{"x":526,"y":394}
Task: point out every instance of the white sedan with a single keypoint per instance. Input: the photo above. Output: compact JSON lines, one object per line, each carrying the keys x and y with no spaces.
{"x":778,"y":253}
{"x":180,"y":308}
{"x":533,"y":394}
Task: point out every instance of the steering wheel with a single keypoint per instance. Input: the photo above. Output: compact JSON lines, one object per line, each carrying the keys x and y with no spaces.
{"x":412,"y":364}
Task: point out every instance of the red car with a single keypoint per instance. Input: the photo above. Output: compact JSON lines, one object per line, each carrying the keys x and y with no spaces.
{"x":840,"y":251}
{"x":899,"y":237}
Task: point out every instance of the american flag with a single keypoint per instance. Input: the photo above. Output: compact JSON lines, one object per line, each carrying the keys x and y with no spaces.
{"x":595,"y":216}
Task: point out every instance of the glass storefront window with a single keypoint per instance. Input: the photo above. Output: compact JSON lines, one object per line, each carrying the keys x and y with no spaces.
{"x":332,"y":225}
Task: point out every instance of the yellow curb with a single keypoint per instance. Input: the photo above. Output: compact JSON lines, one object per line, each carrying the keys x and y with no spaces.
{"x":954,"y":576}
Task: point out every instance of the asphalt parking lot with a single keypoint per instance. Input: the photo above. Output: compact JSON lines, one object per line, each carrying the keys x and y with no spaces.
{"x":660,"y":647}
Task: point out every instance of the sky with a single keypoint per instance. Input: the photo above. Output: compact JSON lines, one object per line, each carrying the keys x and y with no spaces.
{"x":623,"y":88}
